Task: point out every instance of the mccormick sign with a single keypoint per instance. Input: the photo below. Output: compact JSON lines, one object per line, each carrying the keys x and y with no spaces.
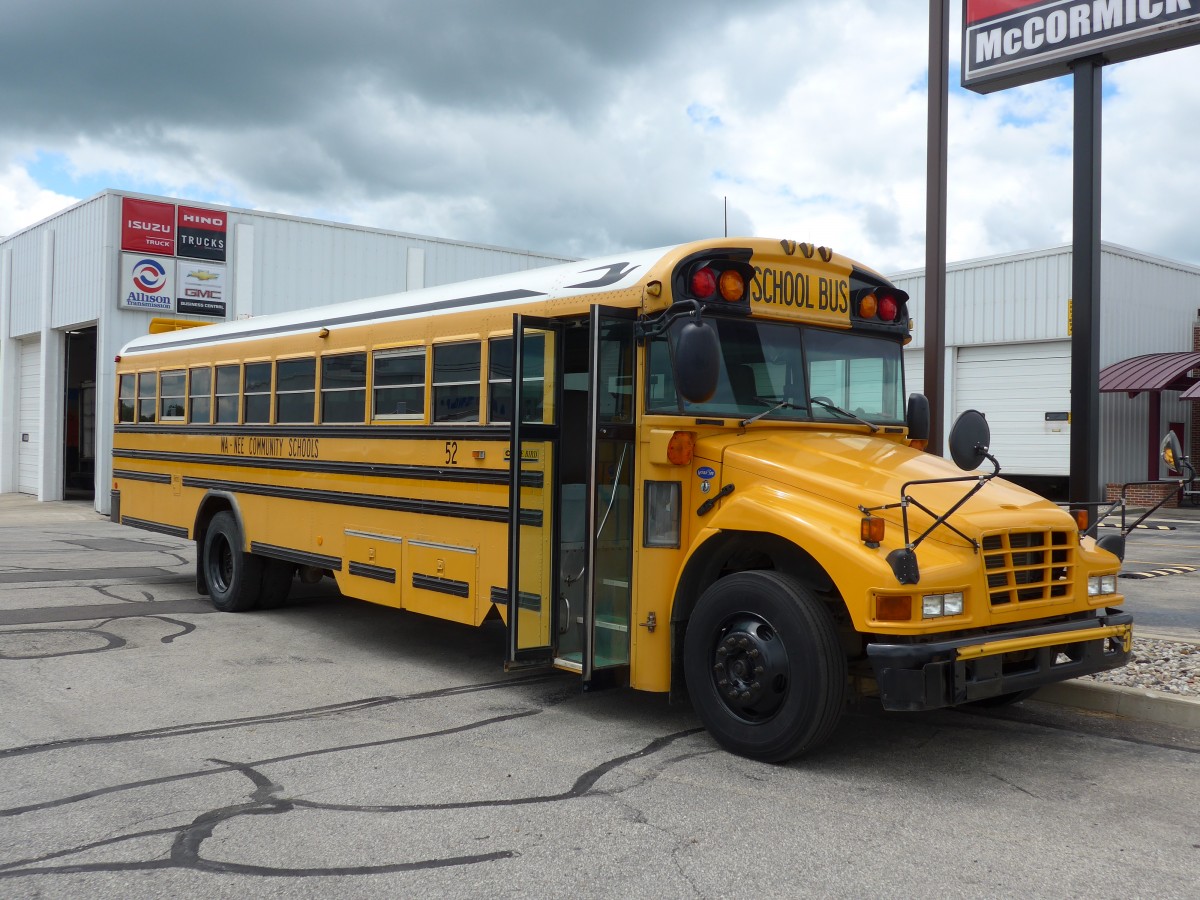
{"x":1012,"y":42}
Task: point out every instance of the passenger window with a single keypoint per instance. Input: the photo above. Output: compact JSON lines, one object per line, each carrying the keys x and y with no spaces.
{"x":227,"y":393}
{"x":533,"y":381}
{"x":200,"y":395}
{"x":171,"y":395}
{"x":456,"y":370}
{"x":295,"y":390}
{"x":399,"y":383}
{"x":256,"y":393}
{"x":126,"y":399}
{"x":145,"y":396}
{"x":344,"y":388}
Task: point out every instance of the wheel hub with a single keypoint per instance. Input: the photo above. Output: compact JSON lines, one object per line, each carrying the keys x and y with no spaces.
{"x":750,"y":668}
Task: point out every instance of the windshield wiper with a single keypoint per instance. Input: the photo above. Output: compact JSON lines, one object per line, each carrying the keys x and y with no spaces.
{"x":821,"y":401}
{"x":782,"y":404}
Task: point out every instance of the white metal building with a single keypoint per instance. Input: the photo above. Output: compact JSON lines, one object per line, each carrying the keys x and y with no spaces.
{"x":1008,"y":354}
{"x":77,"y":286}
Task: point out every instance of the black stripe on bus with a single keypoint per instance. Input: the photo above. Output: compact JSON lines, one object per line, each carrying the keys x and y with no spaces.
{"x":299,"y":557}
{"x":441,"y":585}
{"x":379,"y":573}
{"x":160,"y":527}
{"x":396,"y":312}
{"x":354,"y":432}
{"x":525,"y":600}
{"x":131,"y":475}
{"x":370,"y":501}
{"x":382,"y":470}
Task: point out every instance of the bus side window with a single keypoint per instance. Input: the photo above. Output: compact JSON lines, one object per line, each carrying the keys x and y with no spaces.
{"x":146,"y":400}
{"x":126,"y":399}
{"x":227,"y":393}
{"x":456,"y":371}
{"x":256,"y":392}
{"x":200,"y":395}
{"x":344,"y":388}
{"x":171,"y":395}
{"x":295,"y":390}
{"x":399,"y":383}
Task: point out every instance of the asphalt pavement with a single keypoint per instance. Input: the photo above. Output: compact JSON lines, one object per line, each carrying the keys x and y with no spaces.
{"x":151,"y":747}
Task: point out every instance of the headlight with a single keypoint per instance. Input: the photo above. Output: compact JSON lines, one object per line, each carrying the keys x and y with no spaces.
{"x":1101,"y":584}
{"x":936,"y":605}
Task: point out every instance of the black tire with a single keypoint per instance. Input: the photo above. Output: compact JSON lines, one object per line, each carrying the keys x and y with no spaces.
{"x":764,"y":666}
{"x":277,"y":579}
{"x":234,"y":577}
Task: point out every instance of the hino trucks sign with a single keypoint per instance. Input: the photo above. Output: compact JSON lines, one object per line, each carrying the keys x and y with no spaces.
{"x":1012,"y":42}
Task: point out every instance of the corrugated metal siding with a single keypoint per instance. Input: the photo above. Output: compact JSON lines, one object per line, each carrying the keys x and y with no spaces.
{"x":26,"y":315}
{"x":79,"y":254}
{"x":300,"y":263}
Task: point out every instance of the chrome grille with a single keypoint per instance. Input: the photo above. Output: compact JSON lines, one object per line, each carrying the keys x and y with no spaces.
{"x":1027,"y":566}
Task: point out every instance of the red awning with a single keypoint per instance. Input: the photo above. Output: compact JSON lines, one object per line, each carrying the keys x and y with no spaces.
{"x":1153,"y":372}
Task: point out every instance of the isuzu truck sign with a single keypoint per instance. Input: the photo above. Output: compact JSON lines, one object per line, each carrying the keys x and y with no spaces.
{"x":1012,"y":42}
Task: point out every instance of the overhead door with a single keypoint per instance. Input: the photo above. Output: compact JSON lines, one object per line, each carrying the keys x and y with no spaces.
{"x":914,"y":372}
{"x":1025,"y":392}
{"x":29,"y":418}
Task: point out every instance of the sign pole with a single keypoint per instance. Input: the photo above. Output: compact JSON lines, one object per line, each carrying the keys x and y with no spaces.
{"x":935,"y":221}
{"x":1085,"y":285}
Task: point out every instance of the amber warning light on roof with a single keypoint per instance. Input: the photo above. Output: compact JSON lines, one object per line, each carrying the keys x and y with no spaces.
{"x":1012,"y":42}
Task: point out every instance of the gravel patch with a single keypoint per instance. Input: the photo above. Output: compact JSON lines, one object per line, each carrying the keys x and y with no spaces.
{"x":1169,"y":666}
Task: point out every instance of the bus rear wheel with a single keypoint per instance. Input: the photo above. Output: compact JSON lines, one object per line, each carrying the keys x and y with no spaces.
{"x":764,"y":666}
{"x":234,"y":577}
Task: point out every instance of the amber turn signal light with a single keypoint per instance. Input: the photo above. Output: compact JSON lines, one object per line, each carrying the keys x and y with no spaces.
{"x":890,"y":608}
{"x":1081,"y":519}
{"x":871,"y":530}
{"x":681,"y":447}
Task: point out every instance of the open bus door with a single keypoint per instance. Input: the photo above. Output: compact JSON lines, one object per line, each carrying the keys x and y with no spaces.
{"x":533,"y":534}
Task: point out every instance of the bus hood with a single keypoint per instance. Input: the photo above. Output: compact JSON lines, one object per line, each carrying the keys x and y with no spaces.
{"x":865,"y":470}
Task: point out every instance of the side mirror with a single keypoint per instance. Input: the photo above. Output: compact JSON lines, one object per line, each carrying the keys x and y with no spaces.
{"x":697,"y":361}
{"x":970,"y":439}
{"x":1172,"y":453}
{"x":917,"y":417}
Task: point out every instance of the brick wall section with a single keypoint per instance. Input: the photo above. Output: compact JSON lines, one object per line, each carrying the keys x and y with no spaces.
{"x":1145,"y":495}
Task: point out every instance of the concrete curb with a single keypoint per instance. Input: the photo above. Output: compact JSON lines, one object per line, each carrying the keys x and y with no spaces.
{"x":1132,"y":703}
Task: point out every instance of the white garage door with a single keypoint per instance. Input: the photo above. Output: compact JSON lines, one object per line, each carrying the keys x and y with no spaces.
{"x":1015,"y":386}
{"x":914,"y":372}
{"x":29,"y":418}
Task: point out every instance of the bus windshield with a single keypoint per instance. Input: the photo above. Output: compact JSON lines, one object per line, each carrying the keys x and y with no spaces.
{"x":763,"y":364}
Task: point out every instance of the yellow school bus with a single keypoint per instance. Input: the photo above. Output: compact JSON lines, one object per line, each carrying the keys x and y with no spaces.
{"x":690,"y":469}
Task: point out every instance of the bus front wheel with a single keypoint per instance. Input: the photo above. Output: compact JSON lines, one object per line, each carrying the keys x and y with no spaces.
{"x":234,"y":576}
{"x":764,"y":666}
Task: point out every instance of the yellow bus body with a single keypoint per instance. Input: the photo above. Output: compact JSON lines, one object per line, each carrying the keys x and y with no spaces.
{"x":414,"y":514}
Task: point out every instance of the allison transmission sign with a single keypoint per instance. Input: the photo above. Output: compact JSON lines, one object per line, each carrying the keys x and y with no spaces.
{"x":1011,"y":42}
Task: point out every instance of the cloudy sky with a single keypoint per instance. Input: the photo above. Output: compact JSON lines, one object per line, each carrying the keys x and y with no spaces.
{"x":573,"y":126}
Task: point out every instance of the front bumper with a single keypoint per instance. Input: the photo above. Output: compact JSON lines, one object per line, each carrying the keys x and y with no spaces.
{"x":946,"y":673}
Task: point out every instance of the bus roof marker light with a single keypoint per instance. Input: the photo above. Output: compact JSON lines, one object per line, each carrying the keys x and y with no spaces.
{"x":825,"y":253}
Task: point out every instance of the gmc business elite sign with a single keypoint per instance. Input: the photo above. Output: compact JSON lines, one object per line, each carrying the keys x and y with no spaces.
{"x":1012,"y":42}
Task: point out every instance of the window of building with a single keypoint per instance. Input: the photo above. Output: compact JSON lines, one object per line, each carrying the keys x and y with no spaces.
{"x":200,"y":395}
{"x":344,"y":388}
{"x":126,"y":399}
{"x":171,"y":387}
{"x":399,"y":383}
{"x":146,"y":400}
{"x":456,"y":369}
{"x":295,"y":390}
{"x":256,"y":393}
{"x":227,"y":392}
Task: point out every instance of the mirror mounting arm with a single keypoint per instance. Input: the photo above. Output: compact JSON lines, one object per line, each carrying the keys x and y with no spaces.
{"x":650,"y":328}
